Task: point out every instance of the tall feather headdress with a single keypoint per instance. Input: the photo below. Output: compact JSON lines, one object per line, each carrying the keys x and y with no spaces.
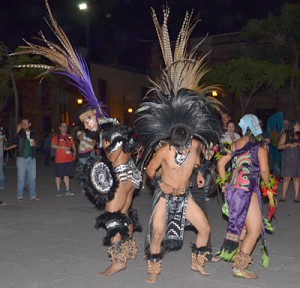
{"x":173,"y":100}
{"x":64,"y":60}
{"x":183,"y":69}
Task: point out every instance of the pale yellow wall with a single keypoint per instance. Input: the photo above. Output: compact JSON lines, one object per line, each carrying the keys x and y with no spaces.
{"x":124,"y":89}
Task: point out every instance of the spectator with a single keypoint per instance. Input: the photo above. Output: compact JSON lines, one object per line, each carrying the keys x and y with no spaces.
{"x":289,"y":143}
{"x":47,"y":148}
{"x":26,"y":142}
{"x":86,"y":146}
{"x":266,"y":138}
{"x":285,"y":125}
{"x":65,"y":152}
{"x":225,"y":118}
{"x":230,"y":136}
{"x":2,"y":143}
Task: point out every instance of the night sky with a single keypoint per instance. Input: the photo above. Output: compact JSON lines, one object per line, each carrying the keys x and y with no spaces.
{"x":121,"y":31}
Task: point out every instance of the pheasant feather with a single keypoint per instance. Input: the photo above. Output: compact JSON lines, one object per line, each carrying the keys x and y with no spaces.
{"x":64,"y":60}
{"x":173,"y":100}
{"x":183,"y":69}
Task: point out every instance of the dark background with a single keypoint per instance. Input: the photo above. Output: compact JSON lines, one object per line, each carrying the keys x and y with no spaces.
{"x":121,"y":31}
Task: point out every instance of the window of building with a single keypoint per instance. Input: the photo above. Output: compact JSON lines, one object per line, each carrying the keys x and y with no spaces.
{"x":102,"y":90}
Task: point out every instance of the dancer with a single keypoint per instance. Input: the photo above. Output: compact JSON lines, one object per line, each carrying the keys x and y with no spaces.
{"x":115,"y":165}
{"x":113,"y":180}
{"x":171,"y":123}
{"x":249,"y":156}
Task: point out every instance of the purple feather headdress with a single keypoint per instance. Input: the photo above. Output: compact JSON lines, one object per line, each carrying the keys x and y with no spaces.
{"x":65,"y":60}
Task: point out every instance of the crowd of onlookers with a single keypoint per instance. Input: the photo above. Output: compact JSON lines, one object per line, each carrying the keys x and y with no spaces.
{"x":60,"y":148}
{"x":64,"y":150}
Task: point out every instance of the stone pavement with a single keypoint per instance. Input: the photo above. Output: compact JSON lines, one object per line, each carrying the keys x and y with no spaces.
{"x":52,"y":244}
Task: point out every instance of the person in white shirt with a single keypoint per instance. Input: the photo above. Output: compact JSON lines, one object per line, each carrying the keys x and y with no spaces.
{"x":230,"y":136}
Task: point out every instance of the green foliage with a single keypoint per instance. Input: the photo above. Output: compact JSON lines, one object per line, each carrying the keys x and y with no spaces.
{"x":5,"y":81}
{"x":244,"y":76}
{"x":7,"y":71}
{"x":280,"y":35}
{"x":273,"y":60}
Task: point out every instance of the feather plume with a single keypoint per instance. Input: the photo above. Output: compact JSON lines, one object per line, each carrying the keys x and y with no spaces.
{"x":173,"y":99}
{"x":64,"y":60}
{"x":182,"y":69}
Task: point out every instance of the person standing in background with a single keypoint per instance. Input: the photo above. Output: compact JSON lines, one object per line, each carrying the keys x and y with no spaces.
{"x":230,"y":136}
{"x":289,"y":143}
{"x":26,"y":142}
{"x":225,"y":118}
{"x":85,"y":148}
{"x":2,"y":143}
{"x":65,"y":152}
{"x":47,"y":148}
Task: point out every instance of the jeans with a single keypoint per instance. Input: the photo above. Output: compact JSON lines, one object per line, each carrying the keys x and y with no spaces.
{"x":26,"y":170}
{"x":82,"y":167}
{"x":1,"y":173}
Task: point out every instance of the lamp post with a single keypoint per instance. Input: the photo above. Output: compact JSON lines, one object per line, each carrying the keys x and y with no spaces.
{"x":214,"y":93}
{"x":83,"y":6}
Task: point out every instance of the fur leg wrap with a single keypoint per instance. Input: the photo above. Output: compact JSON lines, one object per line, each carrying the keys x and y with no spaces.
{"x":154,"y":264}
{"x":114,"y":223}
{"x":241,"y":261}
{"x":117,"y":252}
{"x":200,"y":255}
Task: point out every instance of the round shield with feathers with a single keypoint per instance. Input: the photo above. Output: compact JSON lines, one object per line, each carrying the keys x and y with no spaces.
{"x":102,"y":182}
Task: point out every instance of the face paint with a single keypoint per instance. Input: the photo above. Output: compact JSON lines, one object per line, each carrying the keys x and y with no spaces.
{"x":182,"y":153}
{"x":89,"y":120}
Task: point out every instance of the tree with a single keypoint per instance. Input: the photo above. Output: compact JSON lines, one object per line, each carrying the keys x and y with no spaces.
{"x":280,"y":39}
{"x":7,"y":81}
{"x":243,"y":77}
{"x":8,"y":76}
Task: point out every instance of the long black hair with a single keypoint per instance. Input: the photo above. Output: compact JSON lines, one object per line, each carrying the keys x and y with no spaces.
{"x":290,"y":130}
{"x":259,"y":139}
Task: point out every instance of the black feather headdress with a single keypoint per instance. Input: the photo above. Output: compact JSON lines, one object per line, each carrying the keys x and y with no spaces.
{"x":173,"y":100}
{"x":186,"y":108}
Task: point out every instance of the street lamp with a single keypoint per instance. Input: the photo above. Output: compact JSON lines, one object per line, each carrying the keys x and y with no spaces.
{"x":79,"y":101}
{"x":214,"y":93}
{"x":83,"y":6}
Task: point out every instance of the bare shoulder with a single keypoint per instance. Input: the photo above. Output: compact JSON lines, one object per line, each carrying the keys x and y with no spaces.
{"x":163,"y":149}
{"x":239,"y":143}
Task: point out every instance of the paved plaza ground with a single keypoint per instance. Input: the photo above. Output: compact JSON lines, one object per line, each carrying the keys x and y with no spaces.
{"x":52,"y":244}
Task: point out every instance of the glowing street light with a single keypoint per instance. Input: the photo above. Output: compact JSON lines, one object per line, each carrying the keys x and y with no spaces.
{"x":83,"y":6}
{"x":214,"y":93}
{"x":79,"y":101}
{"x":129,"y":110}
